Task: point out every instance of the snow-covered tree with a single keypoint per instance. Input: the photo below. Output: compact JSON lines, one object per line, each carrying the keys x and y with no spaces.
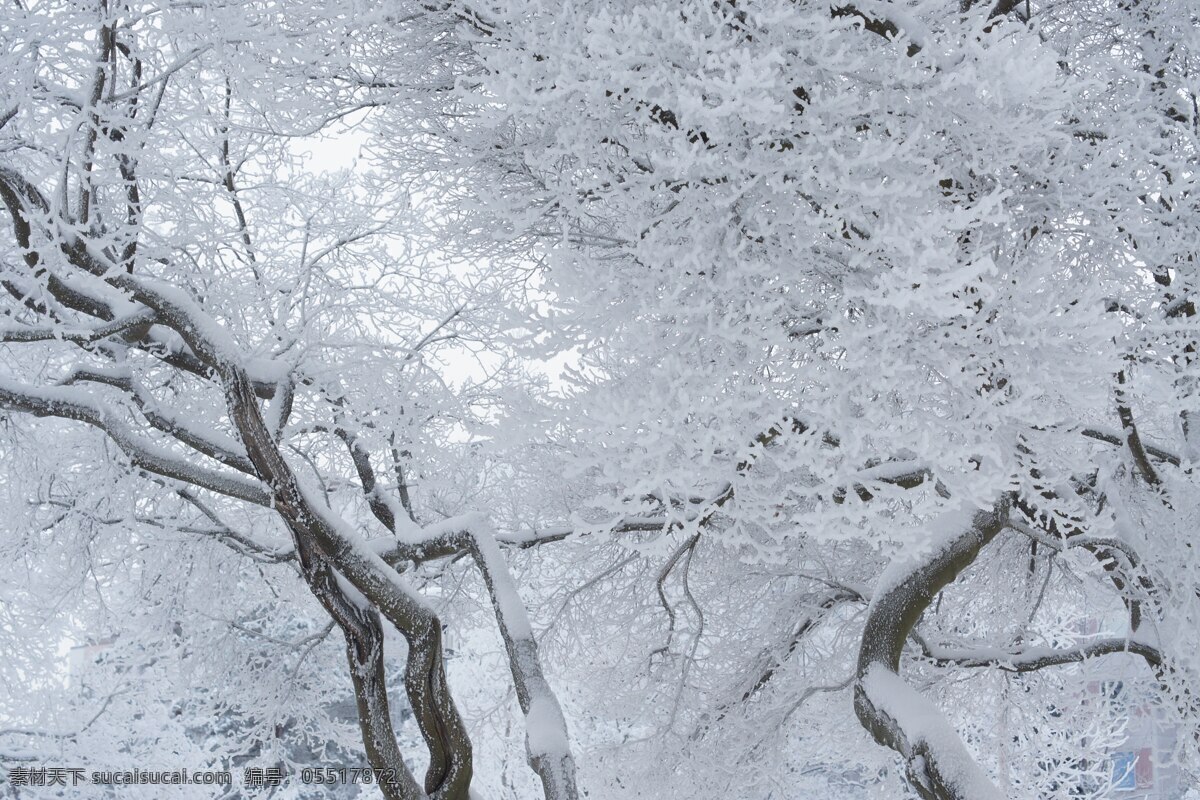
{"x":221,"y":372}
{"x":876,"y":331}
{"x":838,"y":284}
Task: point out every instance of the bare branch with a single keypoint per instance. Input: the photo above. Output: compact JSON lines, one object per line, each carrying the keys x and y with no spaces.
{"x":1133,"y":440}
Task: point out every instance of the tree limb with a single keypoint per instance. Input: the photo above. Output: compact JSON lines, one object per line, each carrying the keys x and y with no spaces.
{"x":938,"y":767}
{"x":65,"y":404}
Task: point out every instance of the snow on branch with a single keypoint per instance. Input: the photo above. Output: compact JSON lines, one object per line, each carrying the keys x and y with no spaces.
{"x":81,"y":336}
{"x":546,"y":728}
{"x":215,"y":445}
{"x":1111,"y":438}
{"x":73,"y":405}
{"x":937,"y":764}
{"x":1030,"y":659}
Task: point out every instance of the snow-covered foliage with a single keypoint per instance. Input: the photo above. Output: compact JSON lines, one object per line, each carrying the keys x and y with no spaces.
{"x":790,"y":378}
{"x":818,"y":275}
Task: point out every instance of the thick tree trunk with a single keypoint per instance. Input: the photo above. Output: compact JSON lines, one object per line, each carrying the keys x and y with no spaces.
{"x":937,"y":764}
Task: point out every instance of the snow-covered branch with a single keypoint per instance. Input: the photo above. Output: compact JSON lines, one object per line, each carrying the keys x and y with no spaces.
{"x":74,"y":405}
{"x":1030,"y":659}
{"x":546,"y":729}
{"x":938,"y":766}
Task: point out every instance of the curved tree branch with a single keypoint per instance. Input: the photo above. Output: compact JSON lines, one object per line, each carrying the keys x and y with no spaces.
{"x":938,"y":766}
{"x":1030,"y":659}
